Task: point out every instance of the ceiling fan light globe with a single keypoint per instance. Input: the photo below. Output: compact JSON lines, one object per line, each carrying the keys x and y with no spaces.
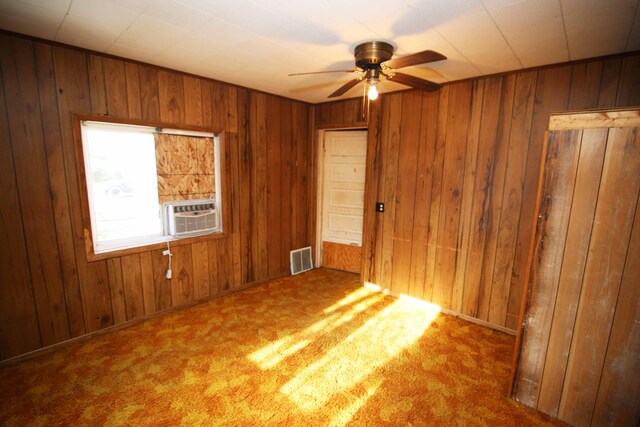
{"x":372,"y":94}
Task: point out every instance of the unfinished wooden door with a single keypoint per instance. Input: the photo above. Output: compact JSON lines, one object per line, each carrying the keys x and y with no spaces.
{"x":580,"y":354}
{"x":344,"y":162}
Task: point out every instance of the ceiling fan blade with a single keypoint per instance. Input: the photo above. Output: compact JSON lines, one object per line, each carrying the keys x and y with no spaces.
{"x":324,"y":72}
{"x":345,"y":87}
{"x":414,"y":82}
{"x":414,"y":59}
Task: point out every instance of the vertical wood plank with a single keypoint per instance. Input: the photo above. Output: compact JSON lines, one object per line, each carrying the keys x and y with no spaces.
{"x":133,"y":91}
{"x":451,"y":198}
{"x":58,"y":186}
{"x":609,"y":80}
{"x":234,"y":197}
{"x":232,"y":108}
{"x":171,"y":97}
{"x":132,"y":285}
{"x":286,"y":140}
{"x":245,"y":207}
{"x":585,"y":85}
{"x":436,"y":192}
{"x":225,"y":267}
{"x":212,"y":251}
{"x":405,"y":191}
{"x":306,"y":179}
{"x":115,"y":83}
{"x":297,"y":195}
{"x":30,"y":160}
{"x":161,"y":285}
{"x":182,"y":280}
{"x":555,"y":206}
{"x":147,"y":278}
{"x":193,"y":101}
{"x":114,"y":268}
{"x":370,"y":216}
{"x":219,"y":106}
{"x":424,"y":182}
{"x":629,"y":87}
{"x":470,"y":171}
{"x":207,"y":118}
{"x":259,"y":185}
{"x":274,"y":182}
{"x":337,"y":113}
{"x":497,"y":189}
{"x":226,"y":252}
{"x":552,"y":92}
{"x":619,"y":392}
{"x":511,"y":204}
{"x":299,"y":155}
{"x":382,"y":133}
{"x":200,"y":259}
{"x":97,"y":86}
{"x":392,"y":134}
{"x":353,"y":111}
{"x":483,"y":189}
{"x":323,"y":114}
{"x":617,"y":200}
{"x":571,"y":275}
{"x":149,"y":93}
{"x":19,"y":330}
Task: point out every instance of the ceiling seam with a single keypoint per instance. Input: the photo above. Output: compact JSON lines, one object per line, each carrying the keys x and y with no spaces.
{"x":633,"y":24}
{"x":564,"y":30}
{"x":448,"y":41}
{"x":55,"y":37}
{"x":502,"y":34}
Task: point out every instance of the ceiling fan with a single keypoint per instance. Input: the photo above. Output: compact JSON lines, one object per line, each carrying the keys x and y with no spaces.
{"x":373,"y":59}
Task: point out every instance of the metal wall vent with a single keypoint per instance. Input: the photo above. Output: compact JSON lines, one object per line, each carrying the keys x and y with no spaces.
{"x":301,"y":260}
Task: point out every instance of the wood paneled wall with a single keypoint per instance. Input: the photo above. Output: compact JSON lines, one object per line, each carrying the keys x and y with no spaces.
{"x":340,"y":114}
{"x":48,"y":291}
{"x":458,"y":172}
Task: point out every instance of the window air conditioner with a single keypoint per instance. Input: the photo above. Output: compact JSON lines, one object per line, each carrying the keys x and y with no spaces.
{"x":189,"y":217}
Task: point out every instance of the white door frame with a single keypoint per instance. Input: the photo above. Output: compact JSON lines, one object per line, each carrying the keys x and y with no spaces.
{"x":320,"y":186}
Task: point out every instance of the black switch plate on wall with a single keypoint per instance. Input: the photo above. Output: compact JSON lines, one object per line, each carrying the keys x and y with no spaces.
{"x":379,"y":207}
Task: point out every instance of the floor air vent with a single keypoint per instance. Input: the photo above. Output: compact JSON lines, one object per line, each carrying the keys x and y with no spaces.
{"x":301,"y":260}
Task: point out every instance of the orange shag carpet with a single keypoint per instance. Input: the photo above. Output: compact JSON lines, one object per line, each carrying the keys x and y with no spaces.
{"x":313,"y":349}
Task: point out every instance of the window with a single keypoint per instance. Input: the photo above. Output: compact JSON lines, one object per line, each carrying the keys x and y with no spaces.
{"x":137,"y":175}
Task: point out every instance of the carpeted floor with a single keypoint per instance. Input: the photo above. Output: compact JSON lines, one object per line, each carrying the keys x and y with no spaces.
{"x":314,"y":349}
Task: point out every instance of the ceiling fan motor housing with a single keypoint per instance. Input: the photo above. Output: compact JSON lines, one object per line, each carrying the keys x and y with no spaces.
{"x":371,"y":54}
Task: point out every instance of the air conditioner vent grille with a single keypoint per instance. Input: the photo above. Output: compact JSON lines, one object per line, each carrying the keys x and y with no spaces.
{"x":190,"y":217}
{"x":194,"y":207}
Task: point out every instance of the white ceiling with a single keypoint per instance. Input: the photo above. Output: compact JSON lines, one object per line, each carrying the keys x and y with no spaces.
{"x":257,"y":43}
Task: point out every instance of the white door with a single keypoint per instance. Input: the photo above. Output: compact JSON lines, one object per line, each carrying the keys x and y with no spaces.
{"x":344,"y":162}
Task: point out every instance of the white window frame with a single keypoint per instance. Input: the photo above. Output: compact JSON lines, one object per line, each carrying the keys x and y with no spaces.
{"x":101,"y":247}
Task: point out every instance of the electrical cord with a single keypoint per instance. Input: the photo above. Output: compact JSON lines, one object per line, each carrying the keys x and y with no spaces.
{"x":168,"y":253}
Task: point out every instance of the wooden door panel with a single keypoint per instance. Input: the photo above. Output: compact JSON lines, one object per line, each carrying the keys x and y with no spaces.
{"x":343,"y":199}
{"x":579,"y":355}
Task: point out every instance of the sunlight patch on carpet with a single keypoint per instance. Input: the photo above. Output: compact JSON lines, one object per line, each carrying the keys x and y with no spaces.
{"x":378,"y":341}
{"x":275,"y":352}
{"x":349,"y":299}
{"x":344,"y":416}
